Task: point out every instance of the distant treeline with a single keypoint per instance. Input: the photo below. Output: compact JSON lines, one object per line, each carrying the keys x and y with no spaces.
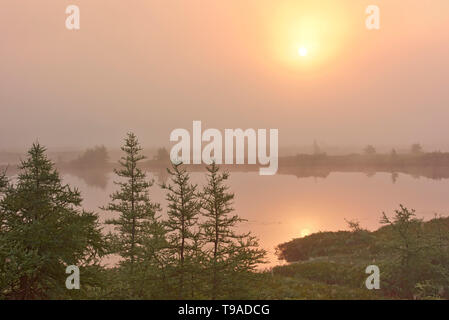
{"x":98,"y":158}
{"x":434,"y":165}
{"x":433,"y":159}
{"x":93,"y":165}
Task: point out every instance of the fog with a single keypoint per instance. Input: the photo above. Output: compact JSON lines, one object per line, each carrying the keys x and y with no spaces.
{"x":153,"y":66}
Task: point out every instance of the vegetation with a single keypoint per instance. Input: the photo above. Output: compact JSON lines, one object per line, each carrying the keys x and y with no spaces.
{"x":413,"y":257}
{"x":229,"y":255}
{"x":95,"y":158}
{"x":182,"y":230}
{"x":42,"y":230}
{"x":432,"y":165}
{"x":190,"y":249}
{"x":139,"y":233}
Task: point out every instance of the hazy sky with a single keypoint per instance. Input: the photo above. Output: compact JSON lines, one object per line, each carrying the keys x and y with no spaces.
{"x":153,"y":66}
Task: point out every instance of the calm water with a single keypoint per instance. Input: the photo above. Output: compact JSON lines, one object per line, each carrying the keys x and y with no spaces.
{"x":282,"y":207}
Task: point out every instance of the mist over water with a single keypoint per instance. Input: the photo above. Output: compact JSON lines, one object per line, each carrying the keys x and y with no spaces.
{"x":284,"y":206}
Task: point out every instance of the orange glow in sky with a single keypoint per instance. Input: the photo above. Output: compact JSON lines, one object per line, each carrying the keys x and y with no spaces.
{"x":317,"y":30}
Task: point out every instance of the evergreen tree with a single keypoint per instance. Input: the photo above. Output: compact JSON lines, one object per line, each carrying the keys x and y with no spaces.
{"x":43,"y":230}
{"x":132,"y":202}
{"x":410,"y":246}
{"x":229,"y":254}
{"x":139,"y":235}
{"x":182,"y":220}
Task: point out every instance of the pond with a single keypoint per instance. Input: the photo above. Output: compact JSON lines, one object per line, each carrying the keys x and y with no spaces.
{"x":282,"y":207}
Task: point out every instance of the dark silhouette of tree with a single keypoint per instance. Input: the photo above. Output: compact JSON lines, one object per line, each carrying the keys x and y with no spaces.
{"x":416,"y":149}
{"x":133,"y":203}
{"x":229,"y":253}
{"x":316,"y":148}
{"x":92,"y":166}
{"x":162,"y":155}
{"x":95,"y":158}
{"x":181,"y":223}
{"x":44,"y":229}
{"x":394,"y":153}
{"x":369,"y":150}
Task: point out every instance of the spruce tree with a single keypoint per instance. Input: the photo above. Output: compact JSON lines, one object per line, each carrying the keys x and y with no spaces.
{"x":138,"y":235}
{"x":136,"y":211}
{"x":43,"y":230}
{"x":182,"y":227}
{"x":229,"y":254}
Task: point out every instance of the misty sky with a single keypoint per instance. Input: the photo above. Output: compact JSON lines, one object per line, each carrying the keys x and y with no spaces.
{"x":153,"y":66}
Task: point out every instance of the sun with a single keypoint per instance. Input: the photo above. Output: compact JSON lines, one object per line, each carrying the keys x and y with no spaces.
{"x":302,"y":51}
{"x":304,"y":35}
{"x":305,"y":233}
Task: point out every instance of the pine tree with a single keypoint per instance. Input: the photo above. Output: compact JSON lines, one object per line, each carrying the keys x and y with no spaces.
{"x":183,"y":236}
{"x":413,"y":260}
{"x":139,"y":235}
{"x":228,"y":253}
{"x":43,"y":230}
{"x":132,"y":202}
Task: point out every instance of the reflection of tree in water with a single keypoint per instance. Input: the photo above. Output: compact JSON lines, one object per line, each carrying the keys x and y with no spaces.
{"x":159,"y":164}
{"x":394,"y":177}
{"x":94,"y":158}
{"x":92,"y":166}
{"x":370,"y":173}
{"x":93,"y":178}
